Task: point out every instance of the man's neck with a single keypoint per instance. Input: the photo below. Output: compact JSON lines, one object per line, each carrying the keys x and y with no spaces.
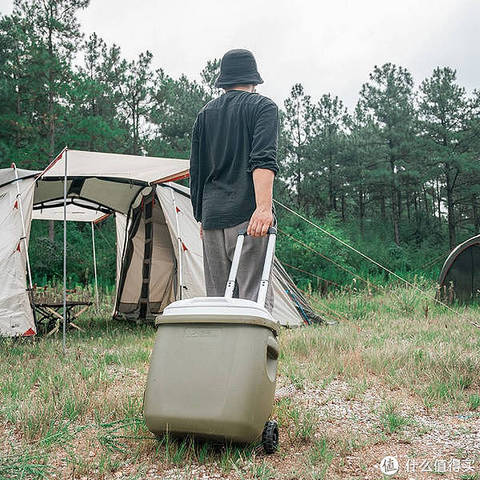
{"x":244,"y":88}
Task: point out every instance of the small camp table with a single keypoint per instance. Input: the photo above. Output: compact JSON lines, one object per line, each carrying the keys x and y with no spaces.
{"x":49,"y":315}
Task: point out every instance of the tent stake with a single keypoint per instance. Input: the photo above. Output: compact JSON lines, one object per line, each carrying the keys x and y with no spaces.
{"x":64,"y":254}
{"x":95,"y":265}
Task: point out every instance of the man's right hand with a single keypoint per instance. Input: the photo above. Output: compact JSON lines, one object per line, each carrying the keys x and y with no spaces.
{"x":259,"y":223}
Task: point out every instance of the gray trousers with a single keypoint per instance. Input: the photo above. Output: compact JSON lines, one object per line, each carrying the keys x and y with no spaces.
{"x":218,"y":248}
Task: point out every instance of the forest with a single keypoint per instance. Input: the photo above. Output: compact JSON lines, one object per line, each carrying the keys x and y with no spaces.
{"x":397,"y":176}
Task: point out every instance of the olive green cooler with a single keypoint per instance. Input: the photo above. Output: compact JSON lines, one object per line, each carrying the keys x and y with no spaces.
{"x":214,"y":365}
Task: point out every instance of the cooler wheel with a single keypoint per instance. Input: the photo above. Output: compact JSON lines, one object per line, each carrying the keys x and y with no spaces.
{"x":270,"y":437}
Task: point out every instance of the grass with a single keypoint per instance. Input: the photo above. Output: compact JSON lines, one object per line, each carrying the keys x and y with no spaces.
{"x":391,"y":420}
{"x":263,"y":472}
{"x":474,"y":401}
{"x":304,"y":423}
{"x":436,"y":358}
{"x":320,"y":457}
{"x":80,"y":414}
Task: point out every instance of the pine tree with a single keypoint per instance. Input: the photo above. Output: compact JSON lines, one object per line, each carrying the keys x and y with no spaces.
{"x":363,"y":146}
{"x":134,"y":83}
{"x":208,"y":75}
{"x":297,"y":128}
{"x":328,"y":149}
{"x":446,"y":117}
{"x":389,"y":97}
{"x":175,"y":105}
{"x":94,"y":100}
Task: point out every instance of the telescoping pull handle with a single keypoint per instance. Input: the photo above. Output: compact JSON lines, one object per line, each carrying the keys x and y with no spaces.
{"x":262,"y":291}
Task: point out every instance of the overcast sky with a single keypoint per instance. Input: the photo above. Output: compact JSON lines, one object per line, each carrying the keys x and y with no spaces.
{"x":327,"y":46}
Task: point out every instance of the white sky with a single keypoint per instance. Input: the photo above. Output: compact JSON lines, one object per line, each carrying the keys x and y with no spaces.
{"x":327,"y":46}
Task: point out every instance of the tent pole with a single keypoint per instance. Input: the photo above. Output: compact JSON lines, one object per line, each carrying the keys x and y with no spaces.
{"x":64,"y":329}
{"x":179,"y":245}
{"x":95,"y":264}
{"x":24,"y":230}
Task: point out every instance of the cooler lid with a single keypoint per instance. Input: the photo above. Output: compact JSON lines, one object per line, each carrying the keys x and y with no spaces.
{"x":218,"y":310}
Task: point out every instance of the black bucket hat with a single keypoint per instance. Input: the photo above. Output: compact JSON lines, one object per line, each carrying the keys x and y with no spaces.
{"x":238,"y":67}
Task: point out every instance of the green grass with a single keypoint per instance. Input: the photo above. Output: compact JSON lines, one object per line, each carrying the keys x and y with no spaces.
{"x":304,"y":423}
{"x":320,"y":457}
{"x":436,"y":358}
{"x":25,"y":465}
{"x":474,"y":401}
{"x":81,"y":413}
{"x":391,"y":420}
{"x":263,"y":472}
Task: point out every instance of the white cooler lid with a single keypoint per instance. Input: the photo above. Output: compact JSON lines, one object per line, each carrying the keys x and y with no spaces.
{"x":218,"y":310}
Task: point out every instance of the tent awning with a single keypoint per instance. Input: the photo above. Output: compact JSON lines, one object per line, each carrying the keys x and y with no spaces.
{"x":111,"y":181}
{"x":146,"y":170}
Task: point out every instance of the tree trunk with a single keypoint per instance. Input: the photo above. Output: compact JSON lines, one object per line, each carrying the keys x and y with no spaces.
{"x":407,"y":201}
{"x":298,"y":180}
{"x":396,"y":230}
{"x":425,"y":201}
{"x":399,"y":203}
{"x":439,"y":205}
{"x":331,"y":194}
{"x":19,"y":112}
{"x":395,"y":208}
{"x":475,"y":214}
{"x":452,"y":237}
{"x":361,"y":211}
{"x":51,"y":230}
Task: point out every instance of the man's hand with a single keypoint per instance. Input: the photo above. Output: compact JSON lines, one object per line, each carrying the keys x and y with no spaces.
{"x":260,"y":221}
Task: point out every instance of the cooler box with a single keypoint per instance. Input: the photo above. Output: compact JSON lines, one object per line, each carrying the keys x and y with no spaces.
{"x":214,"y":365}
{"x":213,"y":370}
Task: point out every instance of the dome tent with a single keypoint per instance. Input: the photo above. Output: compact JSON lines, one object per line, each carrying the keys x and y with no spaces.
{"x":151,"y":273}
{"x":159,"y":250}
{"x":460,"y":275}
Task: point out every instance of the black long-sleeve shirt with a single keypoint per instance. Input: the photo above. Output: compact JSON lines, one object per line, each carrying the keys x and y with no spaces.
{"x":232,"y":135}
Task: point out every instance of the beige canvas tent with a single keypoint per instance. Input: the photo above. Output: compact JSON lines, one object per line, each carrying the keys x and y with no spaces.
{"x":16,"y":200}
{"x":159,"y":253}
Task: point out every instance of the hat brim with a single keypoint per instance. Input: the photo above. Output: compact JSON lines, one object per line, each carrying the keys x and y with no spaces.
{"x":221,"y":81}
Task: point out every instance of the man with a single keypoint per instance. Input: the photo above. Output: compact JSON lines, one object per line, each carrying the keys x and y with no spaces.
{"x":232,"y":168}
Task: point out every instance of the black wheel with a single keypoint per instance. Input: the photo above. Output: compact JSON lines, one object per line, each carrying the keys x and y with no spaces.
{"x":270,"y":437}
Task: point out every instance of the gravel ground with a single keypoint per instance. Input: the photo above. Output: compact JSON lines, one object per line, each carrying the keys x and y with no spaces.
{"x":429,"y":444}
